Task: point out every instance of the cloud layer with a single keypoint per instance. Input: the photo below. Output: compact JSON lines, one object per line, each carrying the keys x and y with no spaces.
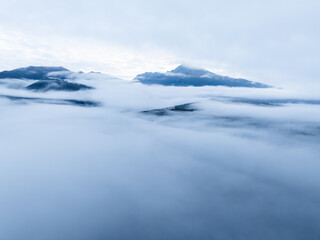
{"x":228,"y":170}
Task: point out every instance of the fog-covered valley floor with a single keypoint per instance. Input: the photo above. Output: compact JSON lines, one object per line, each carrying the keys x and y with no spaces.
{"x":158,"y":162}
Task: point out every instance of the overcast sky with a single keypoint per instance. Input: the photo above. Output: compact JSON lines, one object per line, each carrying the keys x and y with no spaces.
{"x":275,"y":42}
{"x":232,"y":165}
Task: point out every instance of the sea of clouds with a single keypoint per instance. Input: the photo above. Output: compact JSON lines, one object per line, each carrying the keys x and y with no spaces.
{"x":228,"y":170}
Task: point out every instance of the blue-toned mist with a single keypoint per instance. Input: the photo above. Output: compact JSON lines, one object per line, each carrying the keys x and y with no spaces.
{"x":157,"y":162}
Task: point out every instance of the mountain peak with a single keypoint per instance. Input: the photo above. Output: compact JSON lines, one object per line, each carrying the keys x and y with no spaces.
{"x":32,"y":72}
{"x":195,"y":72}
{"x":184,"y":76}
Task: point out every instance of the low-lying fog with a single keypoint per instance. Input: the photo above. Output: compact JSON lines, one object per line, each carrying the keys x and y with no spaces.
{"x":222,"y":169}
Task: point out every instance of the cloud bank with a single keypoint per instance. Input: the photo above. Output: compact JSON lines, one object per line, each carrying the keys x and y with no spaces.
{"x":227,"y":170}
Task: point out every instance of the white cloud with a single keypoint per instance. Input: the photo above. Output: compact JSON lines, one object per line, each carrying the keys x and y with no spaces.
{"x":80,"y":55}
{"x":69,"y":172}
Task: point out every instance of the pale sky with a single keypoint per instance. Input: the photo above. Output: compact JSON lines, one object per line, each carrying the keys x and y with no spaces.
{"x":276,"y":42}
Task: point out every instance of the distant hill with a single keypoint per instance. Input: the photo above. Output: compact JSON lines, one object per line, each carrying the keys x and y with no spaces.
{"x":36,"y":73}
{"x":184,"y":76}
{"x":56,"y":85}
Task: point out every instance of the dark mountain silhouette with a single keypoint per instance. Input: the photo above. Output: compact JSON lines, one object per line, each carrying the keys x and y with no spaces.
{"x":36,"y":73}
{"x":184,"y":76}
{"x":56,"y":85}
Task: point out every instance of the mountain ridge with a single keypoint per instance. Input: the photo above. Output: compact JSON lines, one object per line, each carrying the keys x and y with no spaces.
{"x":184,"y":76}
{"x":33,"y":72}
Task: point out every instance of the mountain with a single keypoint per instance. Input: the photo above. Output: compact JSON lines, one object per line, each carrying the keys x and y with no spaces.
{"x":56,"y":85}
{"x":37,"y":73}
{"x":184,"y":76}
